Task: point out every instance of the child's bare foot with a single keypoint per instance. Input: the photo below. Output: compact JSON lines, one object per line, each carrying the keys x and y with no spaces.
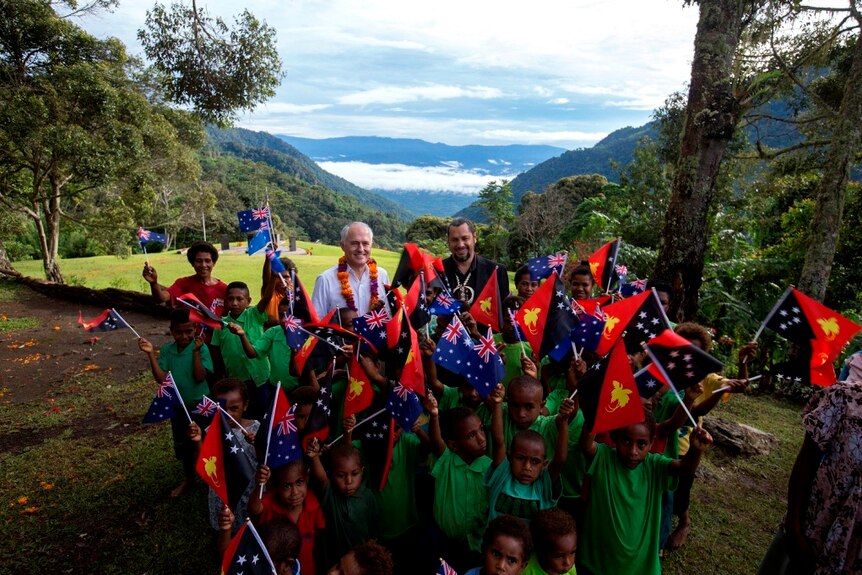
{"x":186,"y":485}
{"x":680,"y":534}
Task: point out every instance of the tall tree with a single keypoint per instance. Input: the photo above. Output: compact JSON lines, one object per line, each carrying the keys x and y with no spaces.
{"x":716,"y":102}
{"x":203,"y":63}
{"x":496,"y":199}
{"x":841,"y":154}
{"x":75,"y":129}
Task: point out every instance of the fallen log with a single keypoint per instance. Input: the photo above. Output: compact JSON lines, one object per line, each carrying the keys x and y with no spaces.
{"x":738,"y":438}
{"x":108,"y":297}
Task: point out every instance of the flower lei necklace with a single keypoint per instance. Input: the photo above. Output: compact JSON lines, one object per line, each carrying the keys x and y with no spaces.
{"x":347,"y":291}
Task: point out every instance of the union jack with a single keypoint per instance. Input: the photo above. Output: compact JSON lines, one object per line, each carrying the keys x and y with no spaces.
{"x":444,"y":299}
{"x":264,"y":225}
{"x":206,"y":407}
{"x":453,"y":331}
{"x":165,"y":388}
{"x":486,"y":347}
{"x":376,"y":318}
{"x":143,"y":234}
{"x":260,"y":213}
{"x":445,"y":569}
{"x":291,"y":323}
{"x":556,"y":260}
{"x":401,"y":391}
{"x":286,"y":426}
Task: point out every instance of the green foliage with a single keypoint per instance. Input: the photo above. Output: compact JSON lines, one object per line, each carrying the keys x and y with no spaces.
{"x":206,"y":64}
{"x":430,"y":233}
{"x":496,"y":200}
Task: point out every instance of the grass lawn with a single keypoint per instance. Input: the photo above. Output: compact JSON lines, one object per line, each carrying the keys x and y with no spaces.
{"x":125,"y":273}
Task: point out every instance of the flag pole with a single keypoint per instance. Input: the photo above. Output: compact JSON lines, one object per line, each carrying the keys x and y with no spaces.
{"x":366,"y":420}
{"x":146,"y":255}
{"x":670,"y":383}
{"x":517,"y":333}
{"x":122,"y":319}
{"x":179,"y":396}
{"x":613,"y":265}
{"x":269,"y":427}
{"x":724,"y":388}
{"x":575,"y":351}
{"x":257,"y":538}
{"x":292,"y":288}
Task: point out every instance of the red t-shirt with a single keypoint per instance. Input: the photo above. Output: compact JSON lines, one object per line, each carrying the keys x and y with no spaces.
{"x":310,"y":521}
{"x":211,"y":296}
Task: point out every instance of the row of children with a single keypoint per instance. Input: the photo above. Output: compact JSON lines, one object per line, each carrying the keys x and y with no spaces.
{"x":472,"y":501}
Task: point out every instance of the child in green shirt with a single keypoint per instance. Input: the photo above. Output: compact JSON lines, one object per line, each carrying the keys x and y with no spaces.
{"x":555,"y":536}
{"x":460,"y":496}
{"x":522,"y":482}
{"x":623,"y":508}
{"x":232,"y":346}
{"x":188,"y":360}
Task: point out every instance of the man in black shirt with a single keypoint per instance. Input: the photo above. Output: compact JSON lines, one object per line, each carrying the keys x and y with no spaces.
{"x":466,"y":271}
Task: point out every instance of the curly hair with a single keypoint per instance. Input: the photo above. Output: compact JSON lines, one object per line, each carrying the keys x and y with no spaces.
{"x":695,"y":332}
{"x":550,"y":524}
{"x":373,"y":558}
{"x":509,"y":526}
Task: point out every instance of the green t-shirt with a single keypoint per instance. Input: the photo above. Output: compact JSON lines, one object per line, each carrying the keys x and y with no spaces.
{"x":508,"y":496}
{"x":450,"y":398}
{"x":236,"y":362}
{"x":533,"y":568}
{"x":350,"y":521}
{"x":180,"y":364}
{"x":575,"y":467}
{"x":397,"y":501}
{"x":273,"y":346}
{"x":512,"y":355}
{"x":663,"y":411}
{"x":460,"y":497}
{"x":623,"y":514}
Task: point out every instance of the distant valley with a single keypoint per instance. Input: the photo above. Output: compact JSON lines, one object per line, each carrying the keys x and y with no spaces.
{"x":423,"y":177}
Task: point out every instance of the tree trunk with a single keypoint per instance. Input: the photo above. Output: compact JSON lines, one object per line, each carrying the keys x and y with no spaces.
{"x":5,"y":262}
{"x":832,"y":190}
{"x":711,"y":117}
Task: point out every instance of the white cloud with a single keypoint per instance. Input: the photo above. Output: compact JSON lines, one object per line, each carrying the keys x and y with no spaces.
{"x":288,"y":108}
{"x":549,"y":137}
{"x":559,"y":101}
{"x":402,"y":177}
{"x":396,"y":94}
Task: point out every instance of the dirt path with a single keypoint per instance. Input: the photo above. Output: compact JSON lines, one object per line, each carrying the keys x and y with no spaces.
{"x":35,"y":362}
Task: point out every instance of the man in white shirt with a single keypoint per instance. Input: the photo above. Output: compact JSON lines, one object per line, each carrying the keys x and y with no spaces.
{"x":356,"y":282}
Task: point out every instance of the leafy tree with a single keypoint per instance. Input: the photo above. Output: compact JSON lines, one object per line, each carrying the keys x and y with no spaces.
{"x":496,"y":199}
{"x":78,"y":139}
{"x":214,"y":68}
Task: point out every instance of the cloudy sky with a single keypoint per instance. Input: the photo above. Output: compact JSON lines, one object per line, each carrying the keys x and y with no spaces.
{"x":561,"y":72}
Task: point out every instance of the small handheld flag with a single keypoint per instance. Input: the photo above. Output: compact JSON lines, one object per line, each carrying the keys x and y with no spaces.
{"x":108,"y":320}
{"x":251,"y":220}
{"x":260,"y":240}
{"x":542,"y":267}
{"x":247,"y":555}
{"x":199,"y":313}
{"x":164,"y":403}
{"x":223,"y":464}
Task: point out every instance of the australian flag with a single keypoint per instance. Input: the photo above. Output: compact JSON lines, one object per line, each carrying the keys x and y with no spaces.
{"x":251,"y":220}
{"x":455,"y":348}
{"x":542,"y":267}
{"x":274,"y":262}
{"x":259,"y":241}
{"x":163,"y":404}
{"x":633,"y":288}
{"x":206,"y":407}
{"x":294,"y":334}
{"x":404,"y":406}
{"x":146,"y":236}
{"x":588,"y":333}
{"x":278,"y":436}
{"x":444,"y":304}
{"x":485,"y":369}
{"x":372,"y":326}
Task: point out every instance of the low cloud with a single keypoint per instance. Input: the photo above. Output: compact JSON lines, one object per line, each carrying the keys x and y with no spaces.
{"x":403,"y":177}
{"x":397,"y":95}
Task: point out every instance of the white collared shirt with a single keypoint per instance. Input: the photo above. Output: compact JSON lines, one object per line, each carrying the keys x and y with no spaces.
{"x":327,"y":290}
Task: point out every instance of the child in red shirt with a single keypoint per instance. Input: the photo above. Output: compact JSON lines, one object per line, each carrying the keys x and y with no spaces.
{"x":288,"y":497}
